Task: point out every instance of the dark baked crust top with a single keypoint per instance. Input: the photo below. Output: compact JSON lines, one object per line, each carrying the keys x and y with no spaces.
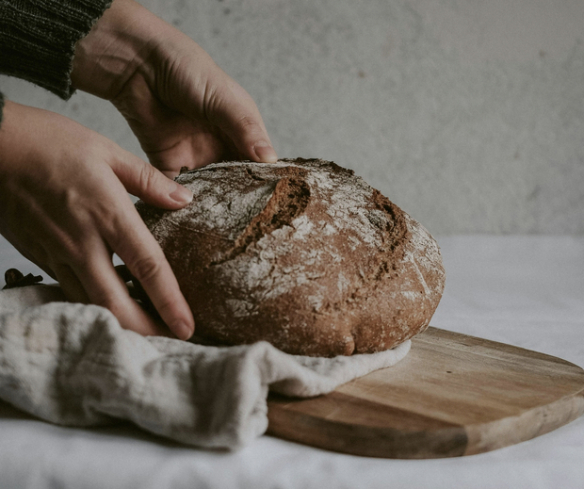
{"x":301,"y":253}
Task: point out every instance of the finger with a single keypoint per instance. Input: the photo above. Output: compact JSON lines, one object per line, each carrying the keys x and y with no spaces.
{"x":149,"y":184}
{"x":70,"y":284}
{"x":235,"y":112}
{"x":96,"y":282}
{"x":144,"y":258}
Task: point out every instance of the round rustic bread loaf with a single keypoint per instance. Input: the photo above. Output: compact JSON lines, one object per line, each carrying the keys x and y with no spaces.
{"x":300,"y":253}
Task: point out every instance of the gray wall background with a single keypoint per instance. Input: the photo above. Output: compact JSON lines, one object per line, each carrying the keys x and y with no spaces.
{"x":469,"y":114}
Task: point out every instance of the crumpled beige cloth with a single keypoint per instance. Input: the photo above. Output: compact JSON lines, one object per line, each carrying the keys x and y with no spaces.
{"x":72,"y":364}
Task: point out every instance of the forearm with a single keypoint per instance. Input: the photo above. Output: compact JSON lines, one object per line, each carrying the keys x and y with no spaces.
{"x":1,"y":107}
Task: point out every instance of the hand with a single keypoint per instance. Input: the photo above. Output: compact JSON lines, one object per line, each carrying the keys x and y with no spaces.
{"x":64,"y":206}
{"x":183,"y":108}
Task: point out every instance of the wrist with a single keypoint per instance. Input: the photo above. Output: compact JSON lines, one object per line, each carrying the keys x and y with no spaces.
{"x":10,"y":111}
{"x":14,"y":150}
{"x":1,"y":107}
{"x":19,"y":133}
{"x":118,"y":45}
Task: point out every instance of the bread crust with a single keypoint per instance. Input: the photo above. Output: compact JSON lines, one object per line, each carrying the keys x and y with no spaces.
{"x":300,"y":253}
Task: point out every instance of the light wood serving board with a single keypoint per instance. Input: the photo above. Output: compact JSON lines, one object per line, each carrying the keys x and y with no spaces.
{"x":452,"y":395}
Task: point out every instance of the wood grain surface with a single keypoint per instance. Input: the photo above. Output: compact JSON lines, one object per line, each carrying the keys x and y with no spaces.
{"x":453,"y":395}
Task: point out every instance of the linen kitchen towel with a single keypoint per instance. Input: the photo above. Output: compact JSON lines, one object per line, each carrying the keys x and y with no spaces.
{"x":72,"y":364}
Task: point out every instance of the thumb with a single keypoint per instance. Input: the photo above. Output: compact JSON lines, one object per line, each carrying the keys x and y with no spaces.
{"x":234,"y":111}
{"x":149,"y":184}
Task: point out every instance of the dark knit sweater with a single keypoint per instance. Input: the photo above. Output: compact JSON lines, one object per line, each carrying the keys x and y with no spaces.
{"x":38,"y":37}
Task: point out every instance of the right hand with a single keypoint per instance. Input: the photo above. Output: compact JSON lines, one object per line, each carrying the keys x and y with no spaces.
{"x":184,"y":110}
{"x":64,"y":206}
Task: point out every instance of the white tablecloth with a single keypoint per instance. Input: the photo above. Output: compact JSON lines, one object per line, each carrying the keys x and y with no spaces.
{"x":526,"y":291}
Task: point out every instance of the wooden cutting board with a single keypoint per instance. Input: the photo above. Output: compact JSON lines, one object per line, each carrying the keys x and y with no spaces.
{"x":453,"y":395}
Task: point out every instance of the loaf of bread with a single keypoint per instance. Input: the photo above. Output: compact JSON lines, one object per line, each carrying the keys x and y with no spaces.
{"x":300,"y":253}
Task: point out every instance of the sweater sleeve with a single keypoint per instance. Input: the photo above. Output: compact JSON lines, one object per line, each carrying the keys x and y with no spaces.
{"x":38,"y":37}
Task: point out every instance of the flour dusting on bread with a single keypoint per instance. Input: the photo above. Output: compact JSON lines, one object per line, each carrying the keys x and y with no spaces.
{"x":300,"y":253}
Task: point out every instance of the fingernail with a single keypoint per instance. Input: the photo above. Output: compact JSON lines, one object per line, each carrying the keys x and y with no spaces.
{"x":183,"y":330}
{"x":180,"y":194}
{"x":265,"y":152}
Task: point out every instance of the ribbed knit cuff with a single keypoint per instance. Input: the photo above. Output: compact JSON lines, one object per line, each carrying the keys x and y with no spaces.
{"x":38,"y":37}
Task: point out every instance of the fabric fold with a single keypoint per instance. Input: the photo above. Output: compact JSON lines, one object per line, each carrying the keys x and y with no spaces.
{"x":72,"y":364}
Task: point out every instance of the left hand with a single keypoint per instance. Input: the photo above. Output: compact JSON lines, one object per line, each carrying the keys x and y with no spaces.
{"x":183,"y":108}
{"x":64,"y":205}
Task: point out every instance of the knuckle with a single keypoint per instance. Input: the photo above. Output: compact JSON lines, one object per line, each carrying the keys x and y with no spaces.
{"x":114,"y":232}
{"x":212,"y":103}
{"x":146,"y":268}
{"x":72,"y":250}
{"x":146,"y":178}
{"x":249,"y":123}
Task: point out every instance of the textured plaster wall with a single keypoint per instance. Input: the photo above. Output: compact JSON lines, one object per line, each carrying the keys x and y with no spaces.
{"x":469,"y":114}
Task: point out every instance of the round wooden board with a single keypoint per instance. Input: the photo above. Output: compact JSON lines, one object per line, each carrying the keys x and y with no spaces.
{"x":453,"y":395}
